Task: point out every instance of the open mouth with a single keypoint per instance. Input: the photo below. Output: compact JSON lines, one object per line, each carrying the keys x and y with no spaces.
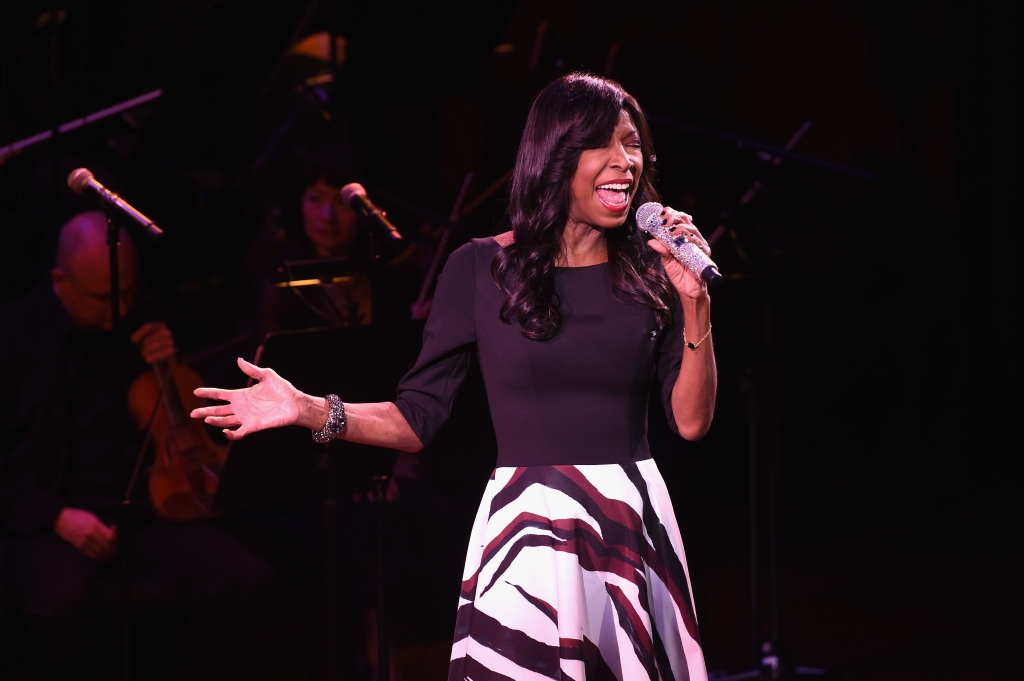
{"x":614,"y":195}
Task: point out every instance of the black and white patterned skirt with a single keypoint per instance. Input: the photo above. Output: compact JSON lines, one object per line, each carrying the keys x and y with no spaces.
{"x":573,"y":573}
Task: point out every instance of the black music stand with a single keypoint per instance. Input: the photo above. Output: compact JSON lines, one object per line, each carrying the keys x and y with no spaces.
{"x":285,"y":466}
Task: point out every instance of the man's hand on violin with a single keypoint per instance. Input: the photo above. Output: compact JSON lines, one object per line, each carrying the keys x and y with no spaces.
{"x":155,"y":341}
{"x":87,"y":533}
{"x":271,"y":403}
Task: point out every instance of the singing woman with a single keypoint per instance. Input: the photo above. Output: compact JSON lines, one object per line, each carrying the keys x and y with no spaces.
{"x":575,"y":568}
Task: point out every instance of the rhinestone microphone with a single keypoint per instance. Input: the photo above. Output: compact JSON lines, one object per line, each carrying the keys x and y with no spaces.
{"x":648,"y":219}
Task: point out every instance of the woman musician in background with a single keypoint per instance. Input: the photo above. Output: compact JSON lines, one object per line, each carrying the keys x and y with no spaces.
{"x":575,"y":566}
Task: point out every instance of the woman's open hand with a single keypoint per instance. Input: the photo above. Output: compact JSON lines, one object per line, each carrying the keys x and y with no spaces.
{"x":682,"y":279}
{"x":271,"y":403}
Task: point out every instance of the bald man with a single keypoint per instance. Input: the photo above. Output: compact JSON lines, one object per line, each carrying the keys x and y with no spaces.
{"x":81,"y":281}
{"x":65,"y":448}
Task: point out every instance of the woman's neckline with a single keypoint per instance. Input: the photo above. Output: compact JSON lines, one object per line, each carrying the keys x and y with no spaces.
{"x":499,"y":244}
{"x":580,"y":267}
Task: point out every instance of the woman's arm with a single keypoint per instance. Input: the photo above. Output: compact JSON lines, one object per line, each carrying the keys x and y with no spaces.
{"x":377,"y":423}
{"x":696,"y":386}
{"x":425,"y":393}
{"x":693,"y":395}
{"x":274,"y":402}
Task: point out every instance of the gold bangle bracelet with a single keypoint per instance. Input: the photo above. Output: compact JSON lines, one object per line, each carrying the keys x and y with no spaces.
{"x":693,"y":346}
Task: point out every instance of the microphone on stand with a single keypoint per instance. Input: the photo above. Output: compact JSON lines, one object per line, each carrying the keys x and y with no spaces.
{"x":81,"y":179}
{"x":354,"y":194}
{"x":648,"y":219}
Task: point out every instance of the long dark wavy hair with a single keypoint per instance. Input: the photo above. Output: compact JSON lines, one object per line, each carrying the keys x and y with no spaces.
{"x":574,"y":113}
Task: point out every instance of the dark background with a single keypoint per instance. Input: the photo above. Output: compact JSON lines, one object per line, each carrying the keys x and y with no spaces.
{"x":889,"y":295}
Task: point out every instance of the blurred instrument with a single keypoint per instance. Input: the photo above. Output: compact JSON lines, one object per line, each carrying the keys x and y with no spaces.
{"x":187,"y":465}
{"x":420,"y":309}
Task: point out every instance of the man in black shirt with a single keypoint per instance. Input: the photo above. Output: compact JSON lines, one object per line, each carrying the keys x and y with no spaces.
{"x":66,"y":446}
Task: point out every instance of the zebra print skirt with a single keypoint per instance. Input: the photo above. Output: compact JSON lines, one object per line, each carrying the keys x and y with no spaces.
{"x":573,"y":573}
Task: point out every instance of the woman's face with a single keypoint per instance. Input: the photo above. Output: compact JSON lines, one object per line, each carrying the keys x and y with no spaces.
{"x":330,"y":223}
{"x":607,"y":178}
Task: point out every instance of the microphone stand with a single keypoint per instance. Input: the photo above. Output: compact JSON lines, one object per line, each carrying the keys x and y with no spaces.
{"x":19,"y":146}
{"x":122,"y":515}
{"x":380,"y":483}
{"x":124,"y":576}
{"x":760,"y":390}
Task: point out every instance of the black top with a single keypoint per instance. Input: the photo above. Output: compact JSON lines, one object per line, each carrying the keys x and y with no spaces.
{"x":579,"y":398}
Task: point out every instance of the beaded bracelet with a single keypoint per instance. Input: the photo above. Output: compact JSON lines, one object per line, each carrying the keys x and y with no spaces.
{"x":335,"y":421}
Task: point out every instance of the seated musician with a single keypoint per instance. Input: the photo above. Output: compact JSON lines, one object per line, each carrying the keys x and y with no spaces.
{"x":327,"y":229}
{"x":334,"y":243}
{"x":66,"y":448}
{"x":331,"y":231}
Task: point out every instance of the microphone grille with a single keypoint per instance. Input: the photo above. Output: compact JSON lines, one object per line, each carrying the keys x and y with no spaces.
{"x":78,"y":179}
{"x":351,"y":190}
{"x":648,"y":216}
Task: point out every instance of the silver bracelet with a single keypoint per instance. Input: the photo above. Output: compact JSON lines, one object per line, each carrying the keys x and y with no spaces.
{"x":335,"y":421}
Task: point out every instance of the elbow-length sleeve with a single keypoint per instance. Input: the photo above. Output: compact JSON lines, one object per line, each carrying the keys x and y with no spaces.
{"x":670,"y":358}
{"x":426,"y":392}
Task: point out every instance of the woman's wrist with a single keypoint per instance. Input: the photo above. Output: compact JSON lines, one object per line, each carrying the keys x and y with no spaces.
{"x":696,"y":318}
{"x":313,"y":412}
{"x":696,"y":310}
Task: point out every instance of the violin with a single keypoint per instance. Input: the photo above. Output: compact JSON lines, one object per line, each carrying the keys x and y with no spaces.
{"x":187,"y":465}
